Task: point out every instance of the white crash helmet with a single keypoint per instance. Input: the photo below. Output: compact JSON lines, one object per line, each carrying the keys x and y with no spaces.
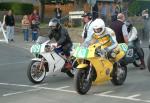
{"x":98,"y":26}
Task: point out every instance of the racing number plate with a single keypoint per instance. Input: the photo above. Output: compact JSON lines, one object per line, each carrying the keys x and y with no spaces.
{"x":36,"y":48}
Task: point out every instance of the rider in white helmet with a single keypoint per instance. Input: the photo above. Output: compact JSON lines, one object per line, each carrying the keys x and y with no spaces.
{"x":104,"y":35}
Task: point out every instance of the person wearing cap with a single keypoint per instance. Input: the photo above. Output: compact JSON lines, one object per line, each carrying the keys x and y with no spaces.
{"x":88,"y":30}
{"x":120,"y":29}
{"x":87,"y":19}
{"x":134,"y":40}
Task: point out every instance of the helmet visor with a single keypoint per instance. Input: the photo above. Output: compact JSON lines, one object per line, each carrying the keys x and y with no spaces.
{"x":97,"y":30}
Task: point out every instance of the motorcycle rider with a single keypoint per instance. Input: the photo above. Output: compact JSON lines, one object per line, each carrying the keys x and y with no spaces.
{"x":105,"y":36}
{"x":61,"y":37}
{"x":134,"y":40}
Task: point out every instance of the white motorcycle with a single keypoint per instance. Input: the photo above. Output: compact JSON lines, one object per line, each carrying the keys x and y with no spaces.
{"x":46,"y":60}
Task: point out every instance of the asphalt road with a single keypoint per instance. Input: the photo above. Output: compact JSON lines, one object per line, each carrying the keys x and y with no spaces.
{"x":58,"y":87}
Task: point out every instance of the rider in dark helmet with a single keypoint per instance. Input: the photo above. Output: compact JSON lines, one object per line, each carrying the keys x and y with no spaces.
{"x":63,"y":40}
{"x":60,"y":35}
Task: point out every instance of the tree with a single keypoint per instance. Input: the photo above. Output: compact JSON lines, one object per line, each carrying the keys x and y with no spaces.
{"x":79,"y":4}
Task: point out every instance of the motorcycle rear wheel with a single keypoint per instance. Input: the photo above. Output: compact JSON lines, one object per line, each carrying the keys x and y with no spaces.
{"x":82,"y":86}
{"x":34,"y":75}
{"x":148,"y":63}
{"x":119,"y":74}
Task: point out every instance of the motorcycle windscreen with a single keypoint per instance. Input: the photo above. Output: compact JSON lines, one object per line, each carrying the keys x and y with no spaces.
{"x":84,"y":52}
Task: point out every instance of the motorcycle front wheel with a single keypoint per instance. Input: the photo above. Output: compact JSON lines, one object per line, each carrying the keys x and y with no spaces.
{"x":82,"y":85}
{"x":34,"y":74}
{"x":119,"y":74}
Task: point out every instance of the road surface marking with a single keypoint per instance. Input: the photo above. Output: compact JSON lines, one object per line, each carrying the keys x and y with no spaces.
{"x":37,"y":87}
{"x":133,"y":96}
{"x":31,"y":90}
{"x":41,"y":85}
{"x":107,"y":92}
{"x":70,"y":91}
{"x":123,"y":98}
{"x":62,"y":87}
{"x":14,"y":63}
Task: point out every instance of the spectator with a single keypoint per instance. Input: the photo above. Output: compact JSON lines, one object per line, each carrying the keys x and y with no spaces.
{"x":10,"y":23}
{"x":35,"y":16}
{"x":35,"y":29}
{"x":113,"y":13}
{"x":120,"y":29}
{"x":104,"y":13}
{"x":134,"y":40}
{"x":87,"y":19}
{"x":145,"y":14}
{"x":25,"y":27}
{"x":58,"y":11}
{"x":118,"y":8}
{"x":35,"y":21}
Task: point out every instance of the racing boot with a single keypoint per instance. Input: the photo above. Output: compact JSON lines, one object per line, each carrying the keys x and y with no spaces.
{"x":142,"y":66}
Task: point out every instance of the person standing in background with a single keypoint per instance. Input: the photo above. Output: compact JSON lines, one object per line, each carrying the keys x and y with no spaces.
{"x":35,"y":16}
{"x":10,"y":23}
{"x":113,"y":12}
{"x":145,"y":14}
{"x":35,"y":22}
{"x":58,"y":11}
{"x":120,"y":29}
{"x":25,"y":27}
{"x":104,"y":13}
{"x":87,"y":19}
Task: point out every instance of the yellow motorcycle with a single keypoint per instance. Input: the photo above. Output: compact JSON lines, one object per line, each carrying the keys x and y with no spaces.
{"x":95,"y":67}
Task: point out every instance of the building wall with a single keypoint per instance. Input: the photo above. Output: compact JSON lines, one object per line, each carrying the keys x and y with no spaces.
{"x":49,"y":9}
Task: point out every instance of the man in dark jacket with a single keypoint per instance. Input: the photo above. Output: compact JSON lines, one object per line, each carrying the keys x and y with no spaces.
{"x":10,"y":23}
{"x":120,"y":29}
{"x":60,"y":35}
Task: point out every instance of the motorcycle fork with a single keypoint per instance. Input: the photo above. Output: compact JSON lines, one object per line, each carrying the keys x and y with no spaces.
{"x":89,"y":72}
{"x":41,"y":64}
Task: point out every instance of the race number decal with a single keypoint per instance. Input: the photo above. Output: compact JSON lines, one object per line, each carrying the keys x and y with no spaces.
{"x":129,"y":53}
{"x":36,"y":48}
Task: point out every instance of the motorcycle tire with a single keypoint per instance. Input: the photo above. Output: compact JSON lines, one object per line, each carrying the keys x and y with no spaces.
{"x":82,"y":86}
{"x":119,"y":74}
{"x":148,"y":63}
{"x":70,"y":74}
{"x":40,"y":75}
{"x":137,"y":62}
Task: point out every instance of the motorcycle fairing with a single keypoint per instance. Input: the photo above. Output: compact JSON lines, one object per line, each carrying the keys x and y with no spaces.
{"x":55,"y":62}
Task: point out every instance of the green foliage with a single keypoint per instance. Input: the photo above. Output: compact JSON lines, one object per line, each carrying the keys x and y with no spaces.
{"x":17,"y":8}
{"x":134,"y":8}
{"x":137,"y":6}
